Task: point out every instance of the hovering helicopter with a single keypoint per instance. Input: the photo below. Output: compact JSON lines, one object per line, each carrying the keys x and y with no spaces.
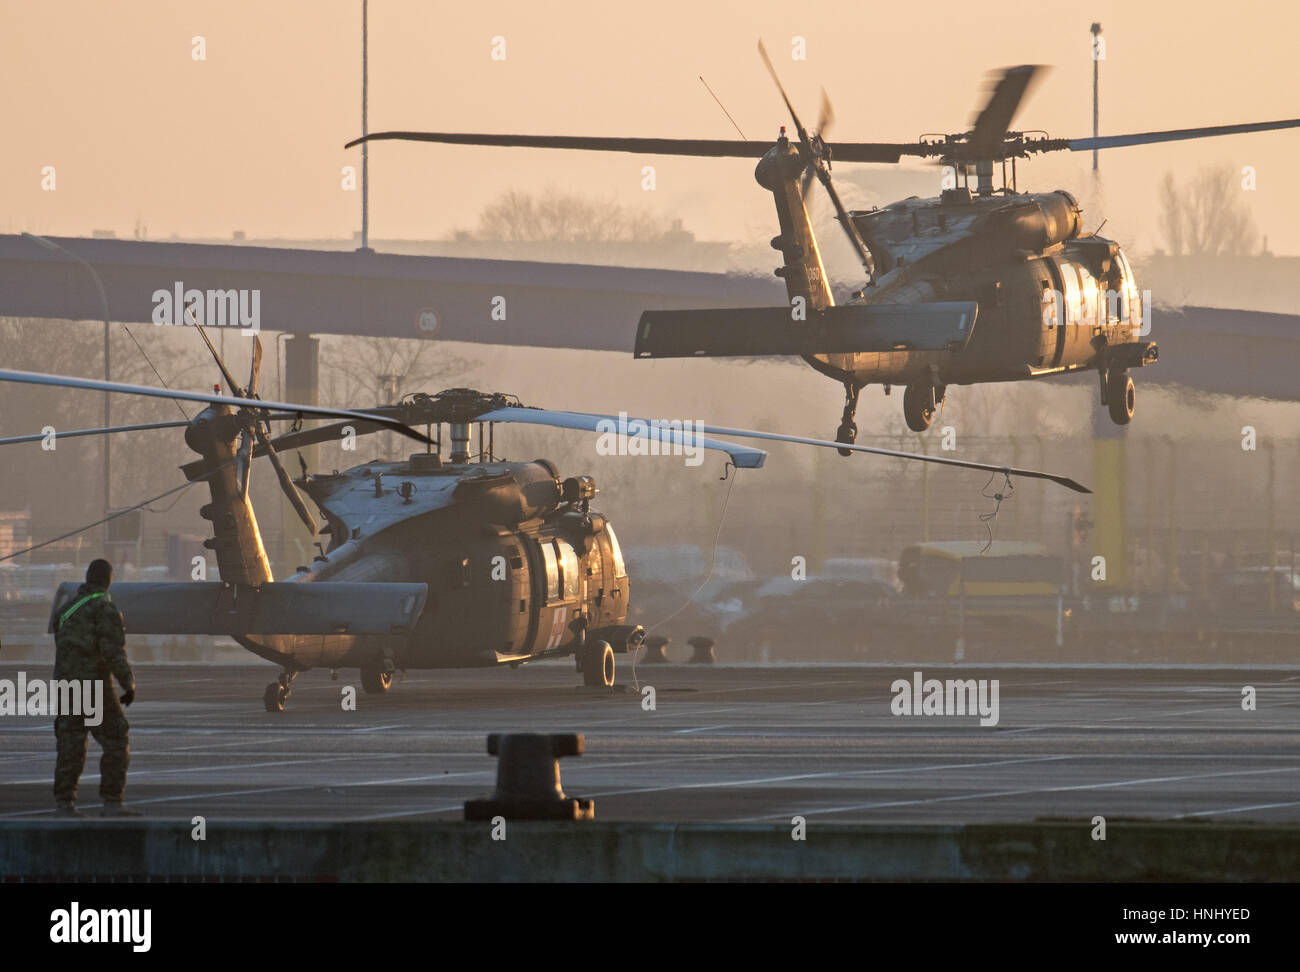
{"x":1049,"y":298}
{"x":431,"y":562}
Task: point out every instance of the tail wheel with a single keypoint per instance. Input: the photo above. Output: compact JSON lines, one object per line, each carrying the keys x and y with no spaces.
{"x":918,"y":406}
{"x":598,"y":664}
{"x":375,"y":680}
{"x":1121,"y":397}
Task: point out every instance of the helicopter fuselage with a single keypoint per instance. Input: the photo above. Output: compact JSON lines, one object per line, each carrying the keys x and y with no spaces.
{"x":1050,"y":301}
{"x":1047,"y":299}
{"x":515,"y":571}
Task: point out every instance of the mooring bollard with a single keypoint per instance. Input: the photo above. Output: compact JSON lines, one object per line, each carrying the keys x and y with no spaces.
{"x":703,"y":650}
{"x":656,"y":650}
{"x":528,"y":779}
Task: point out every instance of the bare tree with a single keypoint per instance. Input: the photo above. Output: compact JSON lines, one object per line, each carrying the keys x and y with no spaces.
{"x":1207,"y":217}
{"x":565,"y":217}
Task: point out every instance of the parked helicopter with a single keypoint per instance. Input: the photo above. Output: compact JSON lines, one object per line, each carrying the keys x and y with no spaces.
{"x":1050,"y":299}
{"x":431,"y":562}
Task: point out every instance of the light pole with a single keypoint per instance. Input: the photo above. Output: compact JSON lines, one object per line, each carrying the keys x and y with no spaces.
{"x":365,"y":146}
{"x":103,"y":306}
{"x":1097,"y":51}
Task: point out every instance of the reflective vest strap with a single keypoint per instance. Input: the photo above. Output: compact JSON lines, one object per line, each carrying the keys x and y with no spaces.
{"x":73,"y":610}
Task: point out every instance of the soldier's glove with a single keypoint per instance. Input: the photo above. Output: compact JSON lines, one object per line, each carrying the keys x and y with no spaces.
{"x":127,"y":697}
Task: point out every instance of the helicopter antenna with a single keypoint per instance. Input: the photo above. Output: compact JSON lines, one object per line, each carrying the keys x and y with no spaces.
{"x":723,"y":107}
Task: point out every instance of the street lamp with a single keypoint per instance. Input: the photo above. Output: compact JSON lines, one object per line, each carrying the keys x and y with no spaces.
{"x":1097,"y":52}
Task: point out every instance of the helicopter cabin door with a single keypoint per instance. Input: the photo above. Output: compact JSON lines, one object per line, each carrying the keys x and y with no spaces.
{"x":561,"y":593}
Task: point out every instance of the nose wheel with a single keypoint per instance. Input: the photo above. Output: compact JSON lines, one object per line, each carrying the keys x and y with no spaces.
{"x":596,"y":659}
{"x":1121,"y":397}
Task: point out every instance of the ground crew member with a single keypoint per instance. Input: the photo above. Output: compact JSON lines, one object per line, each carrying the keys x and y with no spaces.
{"x":90,"y":643}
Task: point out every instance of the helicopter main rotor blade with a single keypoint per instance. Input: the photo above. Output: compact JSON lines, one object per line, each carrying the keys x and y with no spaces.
{"x":93,"y":384}
{"x":322,"y":433}
{"x":700,"y":147}
{"x":742,"y":457}
{"x":1177,"y":135}
{"x":39,"y":436}
{"x":286,"y":484}
{"x":991,"y":124}
{"x":918,"y":456}
{"x":708,"y":147}
{"x":147,"y":427}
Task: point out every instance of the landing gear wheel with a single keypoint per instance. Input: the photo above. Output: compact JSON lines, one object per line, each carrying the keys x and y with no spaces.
{"x":598,"y":664}
{"x":274,"y":697}
{"x":918,"y":406}
{"x":277,"y":692}
{"x":375,"y":680}
{"x":1121,"y":397}
{"x":847,"y":432}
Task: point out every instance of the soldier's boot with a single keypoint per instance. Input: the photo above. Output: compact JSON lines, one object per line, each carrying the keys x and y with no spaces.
{"x":114,"y":808}
{"x":67,"y":808}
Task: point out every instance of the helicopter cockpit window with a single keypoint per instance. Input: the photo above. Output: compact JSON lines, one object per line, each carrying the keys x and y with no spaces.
{"x":568,"y":569}
{"x":1131,"y":308}
{"x":620,"y":569}
{"x":552,"y":571}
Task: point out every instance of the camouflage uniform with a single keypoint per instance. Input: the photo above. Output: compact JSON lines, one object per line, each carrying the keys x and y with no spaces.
{"x":91,"y":644}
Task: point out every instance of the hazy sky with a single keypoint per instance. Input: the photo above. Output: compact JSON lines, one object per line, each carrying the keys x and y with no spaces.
{"x":251,"y":138}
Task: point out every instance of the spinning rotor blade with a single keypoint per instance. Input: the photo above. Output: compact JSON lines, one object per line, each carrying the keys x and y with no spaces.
{"x":91,"y":384}
{"x":286,"y":484}
{"x":825,"y":118}
{"x":1178,"y":135}
{"x":794,"y":117}
{"x":850,"y":229}
{"x":231,"y":385}
{"x":815,"y":151}
{"x":826,"y":115}
{"x":990,"y":127}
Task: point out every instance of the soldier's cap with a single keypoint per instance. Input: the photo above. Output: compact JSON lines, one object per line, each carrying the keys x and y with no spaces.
{"x":99,"y":572}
